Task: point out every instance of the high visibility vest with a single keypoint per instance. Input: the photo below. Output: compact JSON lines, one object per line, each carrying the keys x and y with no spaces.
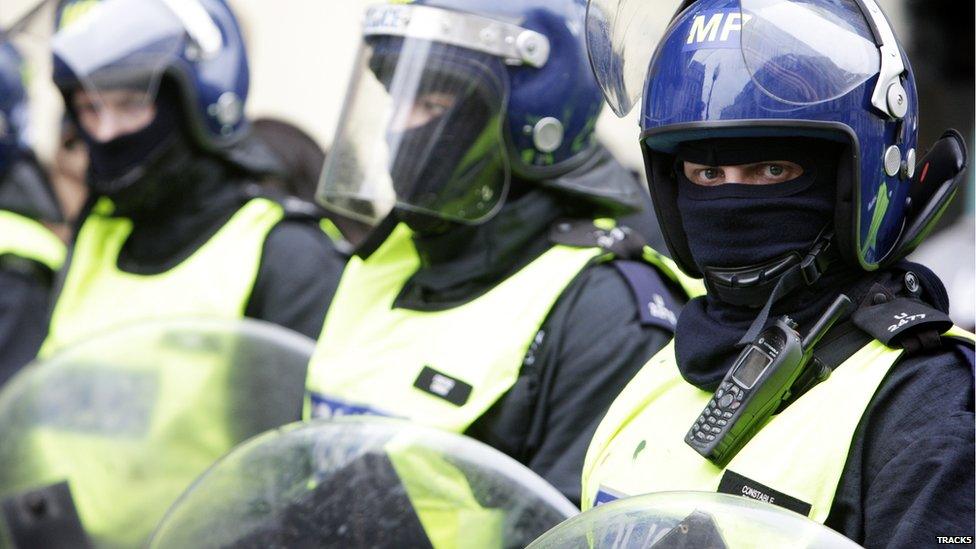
{"x":215,"y":281}
{"x":24,"y":237}
{"x":795,"y":460}
{"x":444,"y":368}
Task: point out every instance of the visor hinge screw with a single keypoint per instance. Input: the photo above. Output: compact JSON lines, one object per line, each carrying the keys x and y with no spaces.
{"x":897,"y":100}
{"x":228,"y":110}
{"x":547,"y":135}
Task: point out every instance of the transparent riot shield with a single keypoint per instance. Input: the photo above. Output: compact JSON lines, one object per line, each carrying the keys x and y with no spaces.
{"x":700,"y":520}
{"x":109,"y":432}
{"x":363,"y":482}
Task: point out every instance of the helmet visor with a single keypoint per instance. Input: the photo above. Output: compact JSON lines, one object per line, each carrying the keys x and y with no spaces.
{"x":803,"y":52}
{"x":112,"y":56}
{"x":621,"y":37}
{"x":421,"y":130}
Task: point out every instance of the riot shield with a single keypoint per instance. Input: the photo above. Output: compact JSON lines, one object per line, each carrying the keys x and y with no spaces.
{"x":699,"y":520}
{"x":108,"y":433}
{"x":363,"y":482}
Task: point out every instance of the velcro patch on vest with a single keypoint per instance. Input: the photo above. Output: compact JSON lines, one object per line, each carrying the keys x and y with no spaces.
{"x":443,"y":386}
{"x":900,"y":317}
{"x":738,"y":485}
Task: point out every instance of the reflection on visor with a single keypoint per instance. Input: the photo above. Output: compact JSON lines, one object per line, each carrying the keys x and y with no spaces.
{"x":117,"y":52}
{"x":421,"y":129}
{"x":805,"y":53}
{"x":621,"y":36}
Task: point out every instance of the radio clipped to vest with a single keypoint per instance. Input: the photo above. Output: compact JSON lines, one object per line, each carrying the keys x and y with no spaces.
{"x":764,"y":375}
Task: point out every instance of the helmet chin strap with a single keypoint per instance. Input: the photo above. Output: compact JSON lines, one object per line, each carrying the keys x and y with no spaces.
{"x":768,"y":282}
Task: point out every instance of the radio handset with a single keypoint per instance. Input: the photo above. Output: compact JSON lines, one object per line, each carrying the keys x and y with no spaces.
{"x":758,"y":382}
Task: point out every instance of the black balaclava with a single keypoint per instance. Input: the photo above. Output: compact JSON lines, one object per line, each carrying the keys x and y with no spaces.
{"x":119,"y":163}
{"x":738,"y":225}
{"x":441,"y":167}
{"x":446,"y":161}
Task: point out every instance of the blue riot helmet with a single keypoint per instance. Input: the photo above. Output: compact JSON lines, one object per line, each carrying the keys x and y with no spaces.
{"x":194,"y":47}
{"x":831,"y":71}
{"x":24,"y":187}
{"x":451,"y":98}
{"x":13,"y":104}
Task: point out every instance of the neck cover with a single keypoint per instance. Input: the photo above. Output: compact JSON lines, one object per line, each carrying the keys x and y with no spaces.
{"x":738,"y":225}
{"x":468,"y":260}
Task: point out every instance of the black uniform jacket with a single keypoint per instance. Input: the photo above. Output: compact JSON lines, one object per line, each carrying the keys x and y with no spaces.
{"x":25,"y":285}
{"x":909,"y":477}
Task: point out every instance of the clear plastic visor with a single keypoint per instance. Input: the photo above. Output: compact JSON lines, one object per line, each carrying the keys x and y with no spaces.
{"x":422,"y":130}
{"x":621,"y":37}
{"x":805,"y":52}
{"x":114,"y":54}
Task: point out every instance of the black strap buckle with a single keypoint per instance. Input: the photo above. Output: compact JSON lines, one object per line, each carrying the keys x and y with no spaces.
{"x":820,"y":256}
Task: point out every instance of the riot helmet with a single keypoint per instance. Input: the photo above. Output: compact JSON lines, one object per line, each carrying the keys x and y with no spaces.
{"x":24,"y":187}
{"x":136,"y":73}
{"x":828,"y":72}
{"x":451,"y":99}
{"x":13,"y":104}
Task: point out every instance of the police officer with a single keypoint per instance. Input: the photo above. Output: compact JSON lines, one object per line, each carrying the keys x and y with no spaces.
{"x":783,"y":168}
{"x":174,"y":226}
{"x":30,"y":253}
{"x":494,"y":300}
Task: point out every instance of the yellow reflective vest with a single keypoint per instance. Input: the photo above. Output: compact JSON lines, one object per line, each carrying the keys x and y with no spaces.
{"x":27,"y":238}
{"x":215,"y":281}
{"x":444,"y":368}
{"x":795,"y":460}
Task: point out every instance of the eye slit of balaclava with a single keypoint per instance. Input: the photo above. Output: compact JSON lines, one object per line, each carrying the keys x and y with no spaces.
{"x":737,"y":225}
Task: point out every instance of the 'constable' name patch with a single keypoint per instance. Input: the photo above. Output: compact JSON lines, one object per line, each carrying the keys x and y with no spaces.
{"x":443,"y":386}
{"x":738,"y":485}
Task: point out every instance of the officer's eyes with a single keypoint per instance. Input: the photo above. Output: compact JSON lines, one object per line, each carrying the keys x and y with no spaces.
{"x":778,"y":172}
{"x":433,"y":109}
{"x":711,"y":174}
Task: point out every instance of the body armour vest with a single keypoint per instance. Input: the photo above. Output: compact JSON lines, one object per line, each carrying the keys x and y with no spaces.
{"x":442,"y":368}
{"x":795,"y":460}
{"x":215,"y":281}
{"x":26,"y":238}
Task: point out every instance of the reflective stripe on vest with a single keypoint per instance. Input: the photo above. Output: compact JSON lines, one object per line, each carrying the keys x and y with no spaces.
{"x":800,"y":453}
{"x":215,"y":281}
{"x":442,"y":368}
{"x":24,"y":237}
{"x":332,"y":230}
